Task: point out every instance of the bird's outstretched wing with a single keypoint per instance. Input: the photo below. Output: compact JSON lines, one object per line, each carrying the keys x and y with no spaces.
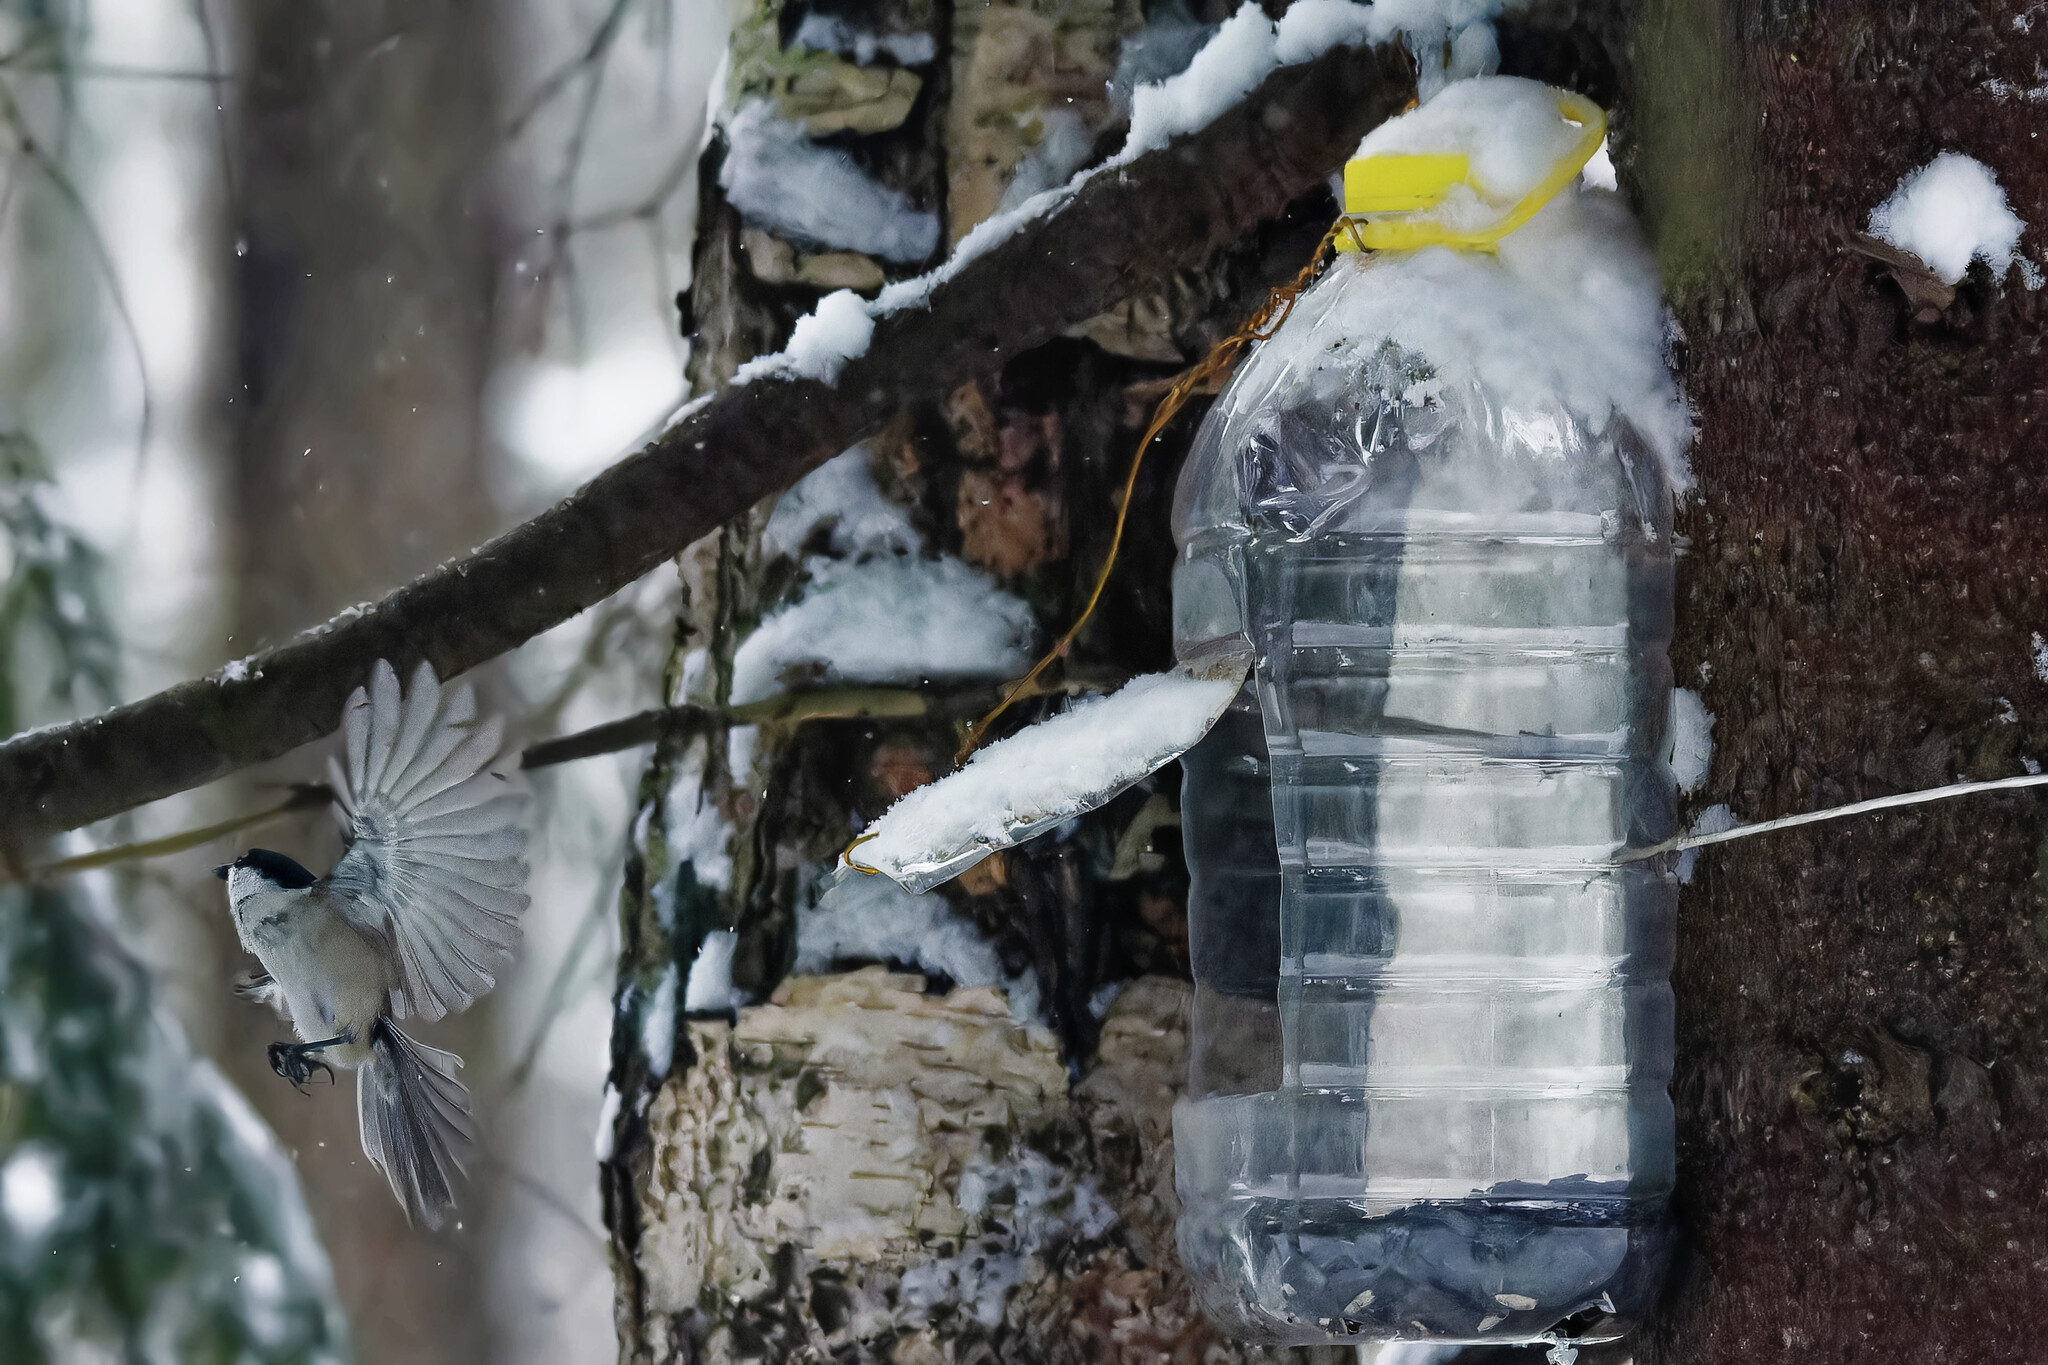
{"x":434,"y":864}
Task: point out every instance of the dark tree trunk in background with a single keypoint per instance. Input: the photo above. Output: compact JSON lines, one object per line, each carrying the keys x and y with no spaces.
{"x":364,"y":272}
{"x":1861,"y":1052}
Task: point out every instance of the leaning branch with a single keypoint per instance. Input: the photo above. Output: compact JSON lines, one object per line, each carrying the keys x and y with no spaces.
{"x":1121,"y":233}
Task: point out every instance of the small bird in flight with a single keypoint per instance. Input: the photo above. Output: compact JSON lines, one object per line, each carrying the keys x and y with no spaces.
{"x":415,"y":921}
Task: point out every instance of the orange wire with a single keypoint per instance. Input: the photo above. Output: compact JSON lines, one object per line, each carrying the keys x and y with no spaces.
{"x":1224,"y":354}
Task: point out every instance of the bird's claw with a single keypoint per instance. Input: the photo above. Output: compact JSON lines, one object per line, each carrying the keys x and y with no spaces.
{"x":296,"y":1063}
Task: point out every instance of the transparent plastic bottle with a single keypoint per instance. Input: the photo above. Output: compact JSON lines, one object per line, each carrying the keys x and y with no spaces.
{"x":1432,"y":1026}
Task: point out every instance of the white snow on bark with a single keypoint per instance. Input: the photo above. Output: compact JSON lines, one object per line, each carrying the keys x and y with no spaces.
{"x":824,"y":339}
{"x":1948,"y":213}
{"x":841,"y":494}
{"x":710,"y":986}
{"x":874,"y":919}
{"x":658,"y":1023}
{"x":888,"y":621}
{"x":779,"y":179}
{"x":1715,"y":819}
{"x":1692,"y":738}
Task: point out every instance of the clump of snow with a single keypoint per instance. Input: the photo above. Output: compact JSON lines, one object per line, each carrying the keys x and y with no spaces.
{"x":1055,"y":770}
{"x":742,"y":743}
{"x":840,"y":493}
{"x":874,"y":918}
{"x":781,"y":180}
{"x":696,"y":832}
{"x":696,"y":675}
{"x":1599,"y":173}
{"x":607,"y":1120}
{"x":1227,"y":68}
{"x":32,"y":1191}
{"x":710,"y":986}
{"x":1026,"y":1205}
{"x":836,"y":331}
{"x":888,"y":621}
{"x":658,"y":1023}
{"x":830,"y":33}
{"x":1249,"y":47}
{"x":1948,"y":213}
{"x":1692,"y":738}
{"x":1161,"y":49}
{"x":2040,"y":656}
{"x":1716,"y":819}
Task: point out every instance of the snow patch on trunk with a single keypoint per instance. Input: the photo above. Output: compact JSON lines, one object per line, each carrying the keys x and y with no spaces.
{"x":781,"y":180}
{"x":1948,"y":213}
{"x":1692,"y":738}
{"x":888,"y":621}
{"x":839,"y":493}
{"x":875,"y":919}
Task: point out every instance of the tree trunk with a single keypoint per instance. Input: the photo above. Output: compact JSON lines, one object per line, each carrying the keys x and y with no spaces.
{"x":860,"y":1165}
{"x":880,"y":1163}
{"x":366,"y":268}
{"x":1861,"y":1053}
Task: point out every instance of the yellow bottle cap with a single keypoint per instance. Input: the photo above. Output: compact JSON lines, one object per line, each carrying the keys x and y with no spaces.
{"x":1384,"y":193}
{"x":1396,"y":182}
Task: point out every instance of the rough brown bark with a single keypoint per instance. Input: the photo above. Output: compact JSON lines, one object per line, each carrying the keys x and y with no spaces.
{"x":1121,"y":233}
{"x":1863,"y":1140}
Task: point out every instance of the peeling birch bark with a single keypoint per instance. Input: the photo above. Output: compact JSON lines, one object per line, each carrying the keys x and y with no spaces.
{"x":862,"y":1171}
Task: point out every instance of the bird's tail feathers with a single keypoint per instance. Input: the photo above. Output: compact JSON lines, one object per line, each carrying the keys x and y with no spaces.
{"x":415,"y":1120}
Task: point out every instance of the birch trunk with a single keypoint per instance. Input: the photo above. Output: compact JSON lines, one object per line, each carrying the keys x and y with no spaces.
{"x":877,"y":1163}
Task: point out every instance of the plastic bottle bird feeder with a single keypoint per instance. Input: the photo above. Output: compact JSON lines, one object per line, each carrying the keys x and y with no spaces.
{"x":1421,"y":611}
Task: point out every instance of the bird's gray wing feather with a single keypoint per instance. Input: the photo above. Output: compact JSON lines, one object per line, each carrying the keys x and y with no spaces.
{"x":434,"y":866}
{"x":414,"y":1116}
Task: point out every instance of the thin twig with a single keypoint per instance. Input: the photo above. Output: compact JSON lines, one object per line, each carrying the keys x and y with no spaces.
{"x":551,"y":84}
{"x":11,"y":112}
{"x":305,"y":796}
{"x":112,"y":71}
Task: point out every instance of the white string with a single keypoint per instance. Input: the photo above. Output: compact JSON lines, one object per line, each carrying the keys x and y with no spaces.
{"x":1918,"y":798}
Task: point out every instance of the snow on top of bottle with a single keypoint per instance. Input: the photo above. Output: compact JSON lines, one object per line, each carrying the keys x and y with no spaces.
{"x":1511,"y":130}
{"x":1567,"y":311}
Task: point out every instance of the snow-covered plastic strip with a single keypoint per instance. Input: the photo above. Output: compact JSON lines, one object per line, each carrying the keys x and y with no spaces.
{"x":1040,"y":777}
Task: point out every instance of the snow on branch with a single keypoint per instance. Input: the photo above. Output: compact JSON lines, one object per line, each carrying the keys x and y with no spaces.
{"x":1120,"y":231}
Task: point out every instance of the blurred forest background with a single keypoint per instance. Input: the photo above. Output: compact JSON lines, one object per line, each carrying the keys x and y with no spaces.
{"x":297,"y":300}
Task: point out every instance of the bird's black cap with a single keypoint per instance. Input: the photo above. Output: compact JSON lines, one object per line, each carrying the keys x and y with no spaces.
{"x":274,"y":867}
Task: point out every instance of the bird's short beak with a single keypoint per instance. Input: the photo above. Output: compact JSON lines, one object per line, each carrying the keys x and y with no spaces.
{"x":223,"y":870}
